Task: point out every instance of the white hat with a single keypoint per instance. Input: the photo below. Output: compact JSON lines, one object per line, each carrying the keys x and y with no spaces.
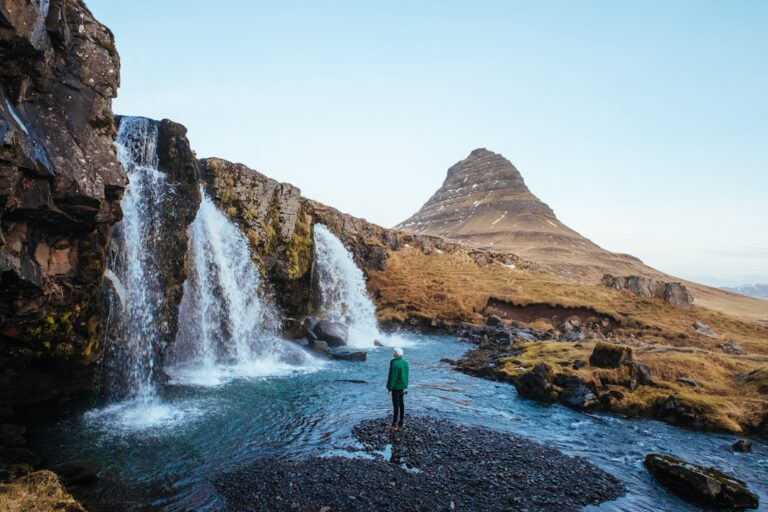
{"x":399,"y":351}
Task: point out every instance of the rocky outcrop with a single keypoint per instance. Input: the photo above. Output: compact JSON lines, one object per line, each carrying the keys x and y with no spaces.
{"x":675,"y":294}
{"x":702,"y":485}
{"x":60,"y":185}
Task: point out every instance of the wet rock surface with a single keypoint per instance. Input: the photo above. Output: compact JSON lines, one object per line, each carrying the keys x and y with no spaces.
{"x":428,"y":465}
{"x":60,"y":184}
{"x":707,"y":486}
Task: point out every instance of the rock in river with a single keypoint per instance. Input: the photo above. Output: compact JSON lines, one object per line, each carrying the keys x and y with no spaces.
{"x":697,"y":483}
{"x":333,"y":333}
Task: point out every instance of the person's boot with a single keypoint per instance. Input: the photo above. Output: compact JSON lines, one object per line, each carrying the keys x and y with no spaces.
{"x":401,"y":424}
{"x":392,"y":426}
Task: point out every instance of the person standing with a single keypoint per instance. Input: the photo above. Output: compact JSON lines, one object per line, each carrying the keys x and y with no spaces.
{"x":397,"y":385}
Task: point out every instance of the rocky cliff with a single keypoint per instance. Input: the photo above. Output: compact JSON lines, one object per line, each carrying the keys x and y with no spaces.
{"x":60,"y":186}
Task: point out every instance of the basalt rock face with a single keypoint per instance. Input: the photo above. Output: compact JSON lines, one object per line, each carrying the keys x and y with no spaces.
{"x":60,"y":186}
{"x":484,"y":201}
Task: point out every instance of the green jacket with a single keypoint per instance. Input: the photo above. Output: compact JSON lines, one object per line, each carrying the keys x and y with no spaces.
{"x":398,"y":374}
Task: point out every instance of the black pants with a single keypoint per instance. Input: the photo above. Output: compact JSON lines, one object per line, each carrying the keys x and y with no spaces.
{"x":398,"y":406}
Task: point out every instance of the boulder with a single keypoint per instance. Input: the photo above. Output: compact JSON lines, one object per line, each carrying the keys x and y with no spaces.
{"x":493,"y":320}
{"x":742,"y":445}
{"x":731,"y":348}
{"x":579,"y":364}
{"x":610,"y":355}
{"x":350,"y":356}
{"x":703,"y":329}
{"x":675,"y":294}
{"x":678,"y":412}
{"x":575,"y":392}
{"x":704,"y":485}
{"x":537,"y":384}
{"x":333,"y":333}
{"x":639,"y":374}
{"x":574,"y":335}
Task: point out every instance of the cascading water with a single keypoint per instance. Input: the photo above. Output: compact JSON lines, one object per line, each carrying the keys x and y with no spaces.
{"x":227,"y":325}
{"x":343,"y":295}
{"x":132,"y":265}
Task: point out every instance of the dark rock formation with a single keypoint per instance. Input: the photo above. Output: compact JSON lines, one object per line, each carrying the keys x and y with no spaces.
{"x":350,"y":356}
{"x":703,"y":485}
{"x":675,"y":294}
{"x":60,"y":185}
{"x":742,"y":445}
{"x":335,"y":334}
{"x":610,"y":355}
{"x":538,"y":384}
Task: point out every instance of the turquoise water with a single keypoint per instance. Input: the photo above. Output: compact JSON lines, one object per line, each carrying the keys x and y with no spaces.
{"x":164,"y":456}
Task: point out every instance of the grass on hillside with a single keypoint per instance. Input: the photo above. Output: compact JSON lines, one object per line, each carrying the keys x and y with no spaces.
{"x":731,"y":393}
{"x":453,"y":287}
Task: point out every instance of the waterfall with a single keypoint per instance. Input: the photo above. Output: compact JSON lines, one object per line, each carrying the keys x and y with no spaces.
{"x":342,"y":292}
{"x":132,"y":264}
{"x":228,"y":326}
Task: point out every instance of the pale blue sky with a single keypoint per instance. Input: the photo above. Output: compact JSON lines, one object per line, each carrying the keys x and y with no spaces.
{"x":644,"y":125}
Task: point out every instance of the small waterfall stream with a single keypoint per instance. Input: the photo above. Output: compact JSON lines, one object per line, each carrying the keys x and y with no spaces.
{"x":132,"y":264}
{"x":227,"y":325}
{"x":343,"y":295}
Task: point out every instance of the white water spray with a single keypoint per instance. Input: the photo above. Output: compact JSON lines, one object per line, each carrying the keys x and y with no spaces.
{"x":132,"y":267}
{"x":343,"y":295}
{"x":227,"y":326}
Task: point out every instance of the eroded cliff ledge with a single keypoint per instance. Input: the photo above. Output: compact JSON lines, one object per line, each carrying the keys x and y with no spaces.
{"x":60,"y":186}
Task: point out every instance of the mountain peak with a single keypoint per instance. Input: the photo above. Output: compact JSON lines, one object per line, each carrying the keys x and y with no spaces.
{"x":485,"y":202}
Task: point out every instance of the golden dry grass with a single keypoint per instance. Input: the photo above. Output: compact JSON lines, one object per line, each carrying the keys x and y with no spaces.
{"x":732,"y":392}
{"x":452,"y":287}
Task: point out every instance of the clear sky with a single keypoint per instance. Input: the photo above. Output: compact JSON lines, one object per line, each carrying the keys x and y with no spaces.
{"x":644,"y":125}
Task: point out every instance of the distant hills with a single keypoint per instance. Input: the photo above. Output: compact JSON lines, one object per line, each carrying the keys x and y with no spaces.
{"x":750,"y":290}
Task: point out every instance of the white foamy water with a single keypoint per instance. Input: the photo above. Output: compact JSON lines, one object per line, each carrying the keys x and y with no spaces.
{"x":134,"y":416}
{"x":132,"y":267}
{"x":228,"y":326}
{"x":343,"y":295}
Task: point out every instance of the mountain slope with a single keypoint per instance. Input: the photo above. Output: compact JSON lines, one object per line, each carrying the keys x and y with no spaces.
{"x":485,"y":202}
